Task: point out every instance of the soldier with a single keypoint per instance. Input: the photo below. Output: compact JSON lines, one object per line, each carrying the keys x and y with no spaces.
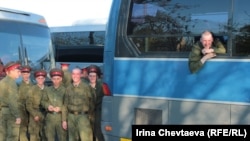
{"x":2,"y":132}
{"x":98,"y":92}
{"x":11,"y":118}
{"x":2,"y":75}
{"x":24,"y":87}
{"x":53,"y":103}
{"x":67,"y":80}
{"x":33,"y":105}
{"x":2,"y":72}
{"x":84,"y":74}
{"x":207,"y":48}
{"x":78,"y":102}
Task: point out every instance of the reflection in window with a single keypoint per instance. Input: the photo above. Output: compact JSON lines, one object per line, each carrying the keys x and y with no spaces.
{"x":78,"y":38}
{"x":36,"y":49}
{"x":9,"y":47}
{"x":175,"y":25}
{"x":241,"y":27}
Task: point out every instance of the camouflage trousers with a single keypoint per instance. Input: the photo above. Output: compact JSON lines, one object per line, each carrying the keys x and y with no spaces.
{"x":36,"y":130}
{"x":79,"y":127}
{"x":10,"y":130}
{"x":53,"y":127}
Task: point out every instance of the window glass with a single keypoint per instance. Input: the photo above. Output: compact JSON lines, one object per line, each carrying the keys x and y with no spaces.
{"x":241,"y":28}
{"x":175,"y":25}
{"x":36,"y":44}
{"x":10,"y":42}
{"x":78,"y":38}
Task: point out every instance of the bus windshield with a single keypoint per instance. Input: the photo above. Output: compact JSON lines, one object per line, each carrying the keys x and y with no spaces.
{"x":25,"y":40}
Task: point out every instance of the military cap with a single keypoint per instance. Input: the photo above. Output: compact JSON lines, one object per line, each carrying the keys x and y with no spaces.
{"x":25,"y":69}
{"x":40,"y":72}
{"x":56,"y":72}
{"x":12,"y":65}
{"x":84,"y":69}
{"x":65,"y":64}
{"x":94,"y":68}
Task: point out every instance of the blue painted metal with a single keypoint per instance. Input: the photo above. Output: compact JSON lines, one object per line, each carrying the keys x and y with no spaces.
{"x":221,"y":81}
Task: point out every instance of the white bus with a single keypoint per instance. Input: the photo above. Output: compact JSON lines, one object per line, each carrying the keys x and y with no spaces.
{"x":79,"y":45}
{"x":25,"y":37}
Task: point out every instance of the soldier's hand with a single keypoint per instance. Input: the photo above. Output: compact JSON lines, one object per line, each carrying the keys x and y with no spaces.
{"x":36,"y":118}
{"x":207,"y":57}
{"x":210,"y":55}
{"x":64,"y":125}
{"x":51,"y":108}
{"x":18,"y":120}
{"x":207,"y":50}
{"x":57,"y":109}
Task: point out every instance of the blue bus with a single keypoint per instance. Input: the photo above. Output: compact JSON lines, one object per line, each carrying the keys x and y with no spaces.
{"x":25,"y":37}
{"x":147,"y":70}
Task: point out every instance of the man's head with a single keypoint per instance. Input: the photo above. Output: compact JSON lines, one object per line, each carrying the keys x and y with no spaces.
{"x":25,"y":72}
{"x":13,"y":69}
{"x":93,"y":72}
{"x":65,"y":66}
{"x":94,"y":69}
{"x":76,"y":75}
{"x":40,"y":76}
{"x":56,"y":75}
{"x":84,"y":72}
{"x":206,"y":39}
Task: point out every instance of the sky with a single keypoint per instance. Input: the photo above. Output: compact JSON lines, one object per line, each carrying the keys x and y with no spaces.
{"x":64,"y":12}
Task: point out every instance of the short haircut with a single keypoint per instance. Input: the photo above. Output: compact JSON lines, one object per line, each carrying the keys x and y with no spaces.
{"x":207,"y":34}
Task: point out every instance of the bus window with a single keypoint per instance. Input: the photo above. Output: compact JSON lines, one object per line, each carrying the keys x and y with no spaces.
{"x":80,"y":45}
{"x":78,"y":38}
{"x":241,"y":27}
{"x":25,"y":39}
{"x":160,"y":26}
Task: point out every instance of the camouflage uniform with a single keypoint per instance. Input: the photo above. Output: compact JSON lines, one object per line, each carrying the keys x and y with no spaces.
{"x":34,"y":107}
{"x":98,"y":92}
{"x":2,"y":75}
{"x":66,"y":78}
{"x":78,"y":102}
{"x":23,"y":94}
{"x":53,"y":121}
{"x":9,"y":110}
{"x":196,"y":54}
{"x":2,"y":131}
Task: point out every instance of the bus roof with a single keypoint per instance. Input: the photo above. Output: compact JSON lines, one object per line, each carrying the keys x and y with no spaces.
{"x":78,"y":28}
{"x":23,"y":16}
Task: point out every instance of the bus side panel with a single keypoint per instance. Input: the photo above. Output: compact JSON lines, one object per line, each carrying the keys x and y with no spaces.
{"x":122,"y":112}
{"x":240,"y":114}
{"x":109,"y":49}
{"x":108,"y":56}
{"x":172,"y":112}
{"x":169,"y":78}
{"x":192,"y":112}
